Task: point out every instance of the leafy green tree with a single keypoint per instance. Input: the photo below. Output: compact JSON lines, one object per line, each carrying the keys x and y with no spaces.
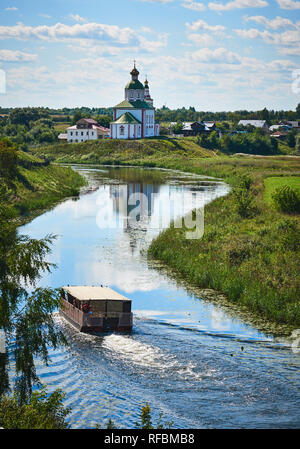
{"x":23,"y":116}
{"x":298,"y":144}
{"x":104,"y":120}
{"x":177,"y":129}
{"x":110,"y":424}
{"x":291,"y":139}
{"x":145,"y":421}
{"x":243,"y":199}
{"x":25,"y":317}
{"x":145,"y":418}
{"x":77,"y":116}
{"x":264,"y":115}
{"x":8,"y":159}
{"x":213,"y":140}
{"x":39,"y":411}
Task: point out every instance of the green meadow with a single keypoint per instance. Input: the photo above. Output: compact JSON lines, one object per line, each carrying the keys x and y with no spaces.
{"x":272,"y":183}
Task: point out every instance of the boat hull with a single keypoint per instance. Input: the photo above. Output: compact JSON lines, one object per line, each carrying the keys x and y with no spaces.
{"x":87,"y":323}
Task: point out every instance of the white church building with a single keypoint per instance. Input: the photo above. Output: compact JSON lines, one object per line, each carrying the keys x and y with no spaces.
{"x":134,"y":118}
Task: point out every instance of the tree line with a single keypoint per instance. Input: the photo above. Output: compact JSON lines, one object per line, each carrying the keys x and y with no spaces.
{"x":166,"y":114}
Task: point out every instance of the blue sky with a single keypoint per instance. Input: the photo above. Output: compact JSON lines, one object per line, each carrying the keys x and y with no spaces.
{"x":214,"y":55}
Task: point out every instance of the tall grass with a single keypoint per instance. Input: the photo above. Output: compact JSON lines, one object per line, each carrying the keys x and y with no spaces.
{"x":244,"y":258}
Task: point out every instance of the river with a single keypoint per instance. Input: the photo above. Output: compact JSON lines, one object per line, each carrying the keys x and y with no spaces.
{"x":189,"y":358}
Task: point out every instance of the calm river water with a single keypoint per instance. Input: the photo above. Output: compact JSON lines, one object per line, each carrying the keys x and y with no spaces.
{"x":184,"y":355}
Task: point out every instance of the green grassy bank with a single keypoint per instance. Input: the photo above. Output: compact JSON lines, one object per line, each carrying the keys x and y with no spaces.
{"x":273,"y":183}
{"x":38,"y":185}
{"x":151,"y":152}
{"x":252,"y":259}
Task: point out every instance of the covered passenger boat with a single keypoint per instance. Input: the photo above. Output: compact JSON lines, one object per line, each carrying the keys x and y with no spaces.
{"x":96,"y":309}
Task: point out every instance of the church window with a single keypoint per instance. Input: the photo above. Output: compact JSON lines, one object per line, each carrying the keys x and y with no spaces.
{"x":71,"y":133}
{"x":121,"y":130}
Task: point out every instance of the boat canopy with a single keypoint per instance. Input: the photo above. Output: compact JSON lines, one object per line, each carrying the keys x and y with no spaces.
{"x":86,"y":293}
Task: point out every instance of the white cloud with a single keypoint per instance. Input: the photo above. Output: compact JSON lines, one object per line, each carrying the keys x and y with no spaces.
{"x":212,"y":80}
{"x":292,"y":51}
{"x":107,"y":34}
{"x":46,"y":16}
{"x":194,"y":6}
{"x":274,"y":24}
{"x":62,"y":31}
{"x":288,"y":4}
{"x":287,"y":43}
{"x":11,"y":8}
{"x":219,"y":56}
{"x":16,"y":56}
{"x":202,"y":25}
{"x":78,"y":18}
{"x":237,"y":4}
{"x":204,"y":40}
{"x":286,"y":38}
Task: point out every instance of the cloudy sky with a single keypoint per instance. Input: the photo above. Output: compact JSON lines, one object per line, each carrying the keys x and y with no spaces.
{"x":213,"y":55}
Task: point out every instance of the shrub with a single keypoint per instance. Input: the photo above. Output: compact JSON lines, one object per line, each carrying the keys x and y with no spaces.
{"x":245,"y":182}
{"x":41,"y":411}
{"x":243,"y":202}
{"x":289,"y":234}
{"x":286,"y":199}
{"x":8,"y":159}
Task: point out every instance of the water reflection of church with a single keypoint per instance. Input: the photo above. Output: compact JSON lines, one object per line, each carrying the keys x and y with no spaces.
{"x":133,"y":204}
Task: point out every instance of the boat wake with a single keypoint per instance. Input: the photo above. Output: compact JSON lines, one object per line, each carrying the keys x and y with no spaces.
{"x":143,"y":355}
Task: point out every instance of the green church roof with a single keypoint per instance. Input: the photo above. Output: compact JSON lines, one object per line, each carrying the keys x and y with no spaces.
{"x":127,"y":119}
{"x":138,"y":104}
{"x":134,"y":84}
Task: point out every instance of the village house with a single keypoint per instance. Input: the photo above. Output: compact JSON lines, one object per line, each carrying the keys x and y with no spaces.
{"x":62,"y":137}
{"x":134,"y":117}
{"x":262,"y":124}
{"x":291,"y":124}
{"x":279,"y":135}
{"x":195,"y":128}
{"x":86,"y":129}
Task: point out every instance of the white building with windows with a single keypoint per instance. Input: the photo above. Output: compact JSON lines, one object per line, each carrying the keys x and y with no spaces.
{"x":86,"y":129}
{"x":134,"y":118}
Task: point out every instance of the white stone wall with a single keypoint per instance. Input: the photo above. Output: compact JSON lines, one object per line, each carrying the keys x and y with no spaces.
{"x":81,"y":135}
{"x":149,"y":123}
{"x":119,"y":131}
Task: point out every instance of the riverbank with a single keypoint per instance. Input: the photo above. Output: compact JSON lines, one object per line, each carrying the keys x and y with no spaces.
{"x":148,"y":152}
{"x":253,"y":260}
{"x":38,"y":186}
